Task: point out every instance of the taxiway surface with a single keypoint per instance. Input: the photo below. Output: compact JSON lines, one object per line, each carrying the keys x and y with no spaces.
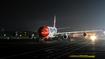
{"x":78,"y":48}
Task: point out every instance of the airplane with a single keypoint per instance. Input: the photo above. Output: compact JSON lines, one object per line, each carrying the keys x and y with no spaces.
{"x":51,"y":32}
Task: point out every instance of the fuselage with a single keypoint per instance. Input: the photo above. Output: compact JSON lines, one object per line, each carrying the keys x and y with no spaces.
{"x":46,"y":31}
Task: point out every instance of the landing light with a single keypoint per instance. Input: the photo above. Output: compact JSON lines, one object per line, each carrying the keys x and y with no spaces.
{"x":93,"y":37}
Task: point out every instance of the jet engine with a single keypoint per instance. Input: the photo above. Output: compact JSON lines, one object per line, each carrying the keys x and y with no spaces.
{"x":30,"y":36}
{"x":65,"y":36}
{"x":84,"y":34}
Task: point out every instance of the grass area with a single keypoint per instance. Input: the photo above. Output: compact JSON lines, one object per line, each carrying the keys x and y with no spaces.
{"x":19,"y":37}
{"x":16,"y":37}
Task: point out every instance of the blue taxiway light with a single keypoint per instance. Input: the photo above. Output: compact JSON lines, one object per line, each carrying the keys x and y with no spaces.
{"x":34,"y":37}
{"x":8,"y":38}
{"x":17,"y":38}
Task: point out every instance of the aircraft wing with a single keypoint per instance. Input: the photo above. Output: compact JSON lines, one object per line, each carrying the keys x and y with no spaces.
{"x":77,"y":32}
{"x":62,"y":28}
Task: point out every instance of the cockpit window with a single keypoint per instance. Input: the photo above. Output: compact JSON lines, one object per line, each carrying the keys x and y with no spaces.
{"x":42,"y":30}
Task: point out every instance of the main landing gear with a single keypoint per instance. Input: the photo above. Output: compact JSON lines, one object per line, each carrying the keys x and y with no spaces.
{"x":59,"y":39}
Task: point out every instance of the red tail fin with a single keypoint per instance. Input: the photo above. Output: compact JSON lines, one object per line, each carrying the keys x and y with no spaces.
{"x":54,"y":20}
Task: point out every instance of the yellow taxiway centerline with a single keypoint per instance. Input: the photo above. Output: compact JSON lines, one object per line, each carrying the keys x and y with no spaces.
{"x":82,"y":56}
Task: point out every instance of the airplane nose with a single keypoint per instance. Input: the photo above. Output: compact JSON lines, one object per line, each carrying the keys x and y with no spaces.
{"x":43,"y":32}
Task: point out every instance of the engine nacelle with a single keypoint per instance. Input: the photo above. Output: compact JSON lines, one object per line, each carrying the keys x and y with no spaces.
{"x":84,"y":34}
{"x":65,"y":36}
{"x":30,"y":36}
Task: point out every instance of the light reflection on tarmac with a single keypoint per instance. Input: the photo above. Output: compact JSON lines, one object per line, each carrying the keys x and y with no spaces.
{"x":54,"y":49}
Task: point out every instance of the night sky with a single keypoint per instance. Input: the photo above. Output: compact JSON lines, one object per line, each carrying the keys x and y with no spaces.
{"x":30,"y":15}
